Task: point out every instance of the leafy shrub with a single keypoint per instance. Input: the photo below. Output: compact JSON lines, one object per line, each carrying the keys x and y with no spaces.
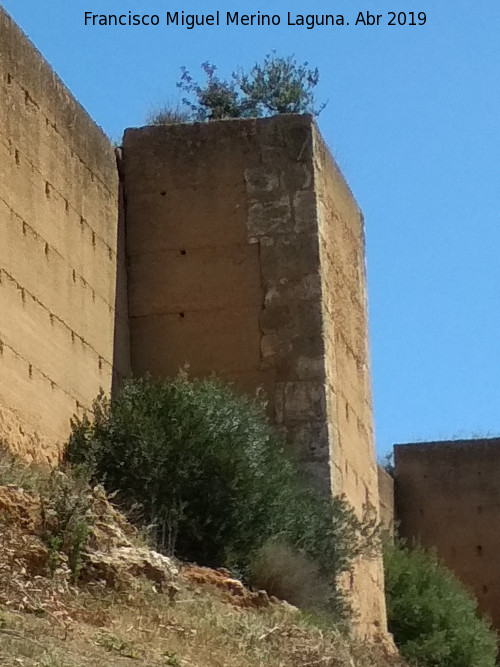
{"x":277,"y":85}
{"x":215,"y":99}
{"x":15,"y":471}
{"x":211,"y":476}
{"x":431,"y":615}
{"x":66,"y":518}
{"x":65,"y":504}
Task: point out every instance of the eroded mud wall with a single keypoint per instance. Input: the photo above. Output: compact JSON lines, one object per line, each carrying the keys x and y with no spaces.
{"x":58,"y":252}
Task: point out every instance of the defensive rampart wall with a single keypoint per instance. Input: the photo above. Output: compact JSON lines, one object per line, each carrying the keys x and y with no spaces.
{"x":58,"y":252}
{"x":448,"y":498}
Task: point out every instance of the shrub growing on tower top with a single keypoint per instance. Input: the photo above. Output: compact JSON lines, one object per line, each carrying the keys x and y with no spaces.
{"x":280,"y":85}
{"x":275,"y":86}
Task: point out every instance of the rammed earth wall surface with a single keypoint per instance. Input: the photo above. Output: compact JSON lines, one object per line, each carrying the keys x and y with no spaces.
{"x":58,"y":252}
{"x":246,"y":258}
{"x":448,"y":498}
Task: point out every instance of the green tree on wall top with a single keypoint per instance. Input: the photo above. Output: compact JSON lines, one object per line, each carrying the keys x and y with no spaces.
{"x":277,"y":85}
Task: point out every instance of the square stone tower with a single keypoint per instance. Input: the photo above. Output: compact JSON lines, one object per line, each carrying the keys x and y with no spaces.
{"x":245,"y":255}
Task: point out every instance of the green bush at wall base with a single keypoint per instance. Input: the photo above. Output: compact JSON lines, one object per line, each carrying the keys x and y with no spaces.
{"x":432,"y":617}
{"x":211,"y":476}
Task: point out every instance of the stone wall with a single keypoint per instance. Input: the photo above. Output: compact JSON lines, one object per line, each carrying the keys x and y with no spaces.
{"x":195,"y":292}
{"x":58,"y":252}
{"x":246,"y":257}
{"x":448,"y":497}
{"x":346,"y":362}
{"x":223,"y":261}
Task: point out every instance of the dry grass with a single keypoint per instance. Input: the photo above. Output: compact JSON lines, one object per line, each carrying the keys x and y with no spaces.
{"x":199,"y":629}
{"x":289,"y":575}
{"x":13,"y":471}
{"x":211,"y":621}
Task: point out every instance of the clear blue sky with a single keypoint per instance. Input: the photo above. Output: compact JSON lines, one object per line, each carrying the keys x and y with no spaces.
{"x":414,"y":122}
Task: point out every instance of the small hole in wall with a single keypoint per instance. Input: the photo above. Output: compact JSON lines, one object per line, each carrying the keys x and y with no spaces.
{"x":163,"y":193}
{"x":9,"y":79}
{"x":479,"y":509}
{"x":421,"y":512}
{"x":479,"y":550}
{"x":16,"y":155}
{"x":183,"y":252}
{"x":485,"y":588}
{"x":181,"y":314}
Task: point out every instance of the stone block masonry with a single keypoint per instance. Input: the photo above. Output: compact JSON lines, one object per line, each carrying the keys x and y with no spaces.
{"x":58,"y":253}
{"x":245,"y":257}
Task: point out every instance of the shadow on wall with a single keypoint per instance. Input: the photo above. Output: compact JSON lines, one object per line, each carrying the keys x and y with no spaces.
{"x":121,"y":339}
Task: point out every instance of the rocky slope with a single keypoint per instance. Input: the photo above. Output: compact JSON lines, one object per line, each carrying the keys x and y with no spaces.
{"x":133,"y":604}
